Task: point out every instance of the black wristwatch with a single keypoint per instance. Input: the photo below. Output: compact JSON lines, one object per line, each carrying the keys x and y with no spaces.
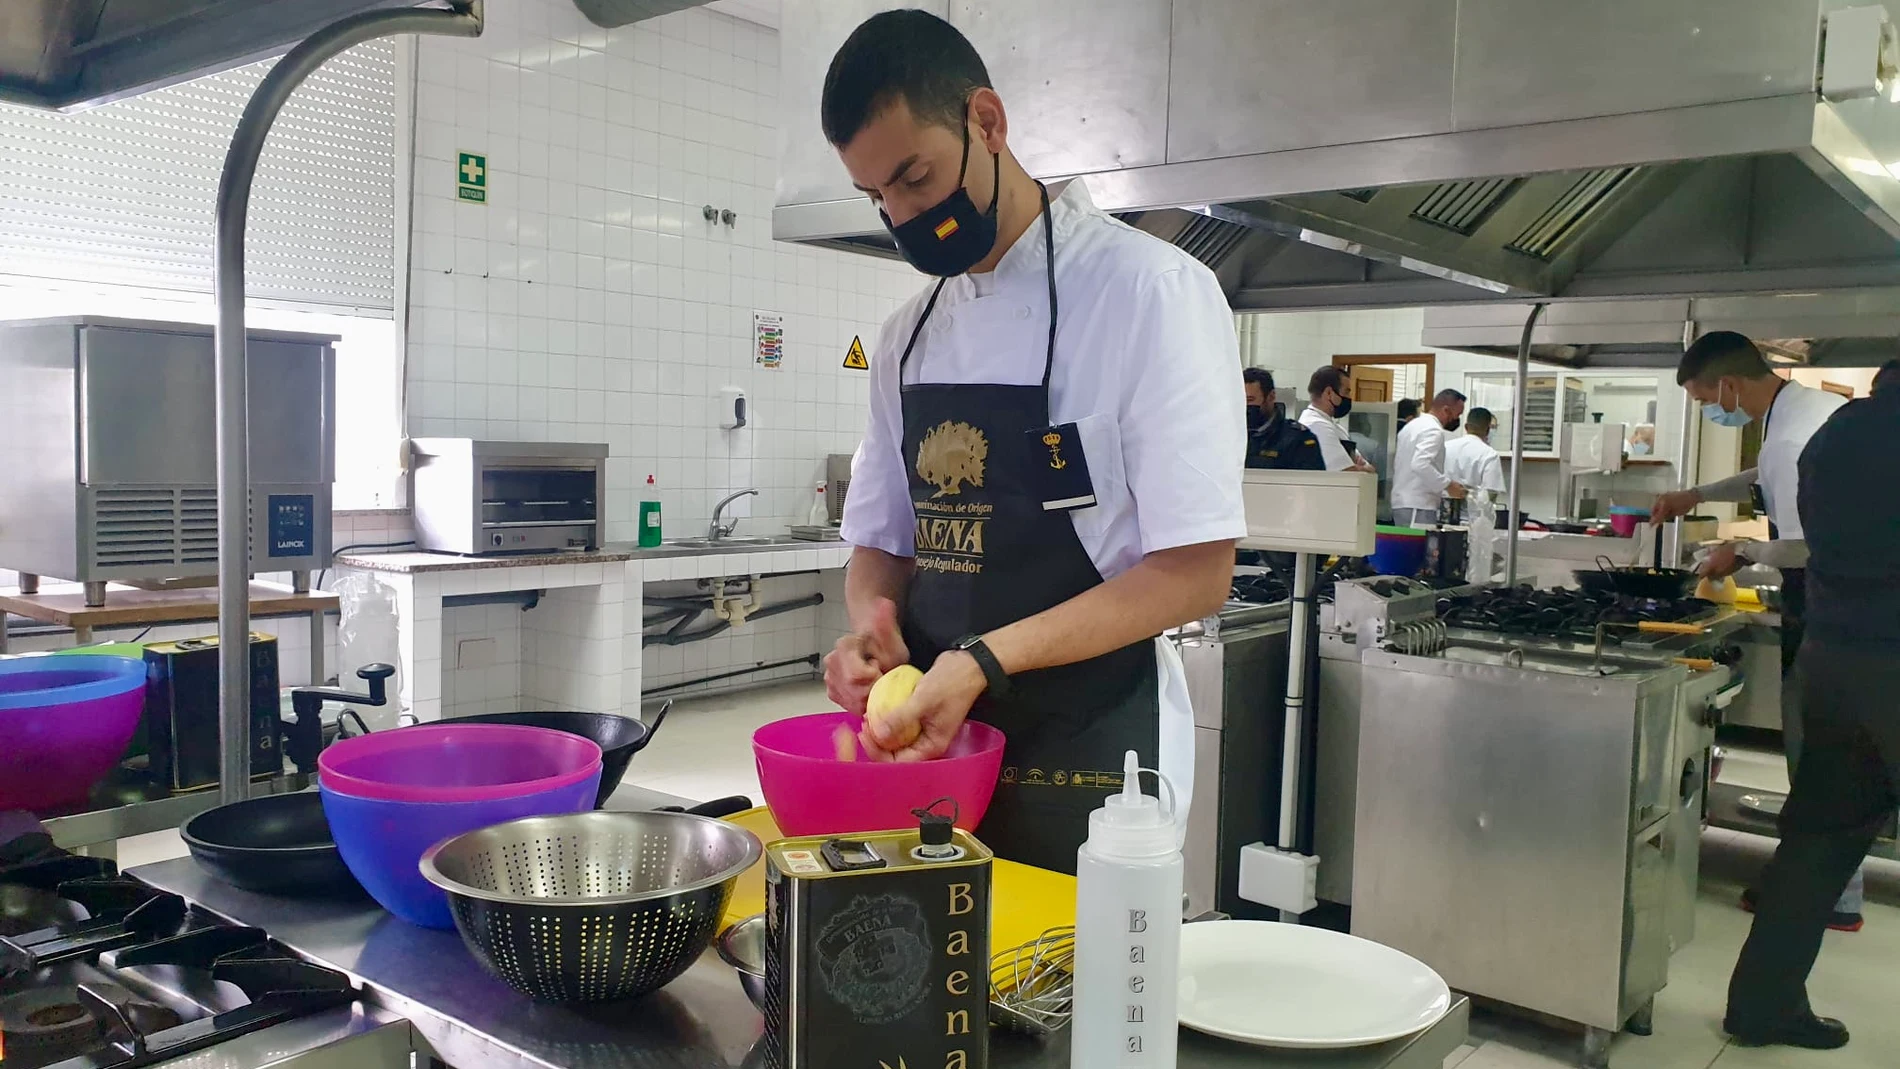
{"x":993,"y":674}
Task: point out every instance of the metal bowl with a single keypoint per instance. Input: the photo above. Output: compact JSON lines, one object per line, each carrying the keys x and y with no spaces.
{"x":742,"y":946}
{"x":590,"y":907}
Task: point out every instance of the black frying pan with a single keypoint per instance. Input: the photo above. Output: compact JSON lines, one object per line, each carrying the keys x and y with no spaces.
{"x":619,"y":737}
{"x":279,"y":844}
{"x":1654,"y":581}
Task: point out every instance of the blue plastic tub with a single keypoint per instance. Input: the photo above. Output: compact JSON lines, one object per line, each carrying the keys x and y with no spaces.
{"x":1397,"y":550}
{"x":382,"y":841}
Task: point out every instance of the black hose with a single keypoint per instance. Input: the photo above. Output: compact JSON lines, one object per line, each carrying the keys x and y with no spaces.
{"x":679,"y":636}
{"x":810,"y":659}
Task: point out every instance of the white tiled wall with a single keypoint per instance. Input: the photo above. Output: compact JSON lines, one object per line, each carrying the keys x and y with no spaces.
{"x":588,"y":300}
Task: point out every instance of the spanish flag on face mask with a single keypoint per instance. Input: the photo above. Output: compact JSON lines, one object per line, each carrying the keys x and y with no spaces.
{"x":945,"y":229}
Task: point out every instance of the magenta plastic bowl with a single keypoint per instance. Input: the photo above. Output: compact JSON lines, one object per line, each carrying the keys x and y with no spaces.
{"x":451,"y":762}
{"x":64,"y":722}
{"x":811,"y":792}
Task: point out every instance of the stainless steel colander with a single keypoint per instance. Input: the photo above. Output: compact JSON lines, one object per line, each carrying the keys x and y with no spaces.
{"x":589,"y":907}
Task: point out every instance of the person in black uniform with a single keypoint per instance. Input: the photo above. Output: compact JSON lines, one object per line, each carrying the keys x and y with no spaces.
{"x":1274,"y":441}
{"x":1847,"y":783}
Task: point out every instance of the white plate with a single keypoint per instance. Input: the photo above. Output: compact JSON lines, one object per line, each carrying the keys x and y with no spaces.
{"x":1285,"y":985}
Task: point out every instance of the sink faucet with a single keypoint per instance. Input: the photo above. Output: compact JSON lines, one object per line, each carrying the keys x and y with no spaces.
{"x":724,"y":530}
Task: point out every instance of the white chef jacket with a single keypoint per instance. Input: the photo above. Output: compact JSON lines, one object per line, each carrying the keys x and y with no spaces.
{"x":1418,"y":464}
{"x":1332,"y":438}
{"x":1146,"y":366}
{"x":1470,"y":460}
{"x":1798,"y":411}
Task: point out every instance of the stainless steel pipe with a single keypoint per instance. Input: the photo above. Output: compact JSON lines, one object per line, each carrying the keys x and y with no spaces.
{"x":461,"y":18}
{"x":1512,"y":517}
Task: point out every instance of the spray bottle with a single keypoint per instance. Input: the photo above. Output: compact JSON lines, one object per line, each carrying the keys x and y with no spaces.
{"x":1128,"y":931}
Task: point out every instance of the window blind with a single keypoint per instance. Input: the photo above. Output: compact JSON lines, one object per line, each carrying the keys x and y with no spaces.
{"x":124,"y":194}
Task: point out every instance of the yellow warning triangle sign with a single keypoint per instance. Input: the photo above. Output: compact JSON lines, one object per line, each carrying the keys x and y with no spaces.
{"x":854,"y":357}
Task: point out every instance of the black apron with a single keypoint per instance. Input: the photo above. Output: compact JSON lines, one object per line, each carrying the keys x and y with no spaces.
{"x":989,"y":554}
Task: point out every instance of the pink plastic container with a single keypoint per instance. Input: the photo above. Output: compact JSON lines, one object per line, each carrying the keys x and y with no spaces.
{"x":451,"y":762}
{"x":64,"y":722}
{"x":1624,"y":520}
{"x":811,"y":792}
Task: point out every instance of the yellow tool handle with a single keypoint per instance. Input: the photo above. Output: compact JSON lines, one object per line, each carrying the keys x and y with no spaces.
{"x":1670,"y":628}
{"x":1700,"y":664}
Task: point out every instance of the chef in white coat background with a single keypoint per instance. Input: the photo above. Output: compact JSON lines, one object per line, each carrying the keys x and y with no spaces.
{"x":1726,"y":373}
{"x":1420,"y":483}
{"x":1051,"y":473}
{"x":1329,"y":399}
{"x":1469,"y":458}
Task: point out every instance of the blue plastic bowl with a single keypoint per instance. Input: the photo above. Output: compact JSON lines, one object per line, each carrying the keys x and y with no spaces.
{"x":382,"y":841}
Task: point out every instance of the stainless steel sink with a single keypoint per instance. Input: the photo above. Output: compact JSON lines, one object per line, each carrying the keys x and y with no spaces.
{"x":734,"y":542}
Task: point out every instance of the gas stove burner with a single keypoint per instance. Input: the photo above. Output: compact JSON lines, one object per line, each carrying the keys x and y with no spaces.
{"x":29,"y":909}
{"x":1561,"y":612}
{"x":46,"y":1025}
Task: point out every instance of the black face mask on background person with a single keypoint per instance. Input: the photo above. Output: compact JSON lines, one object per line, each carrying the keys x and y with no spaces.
{"x":951,"y":237}
{"x":1341,"y":407}
{"x":1449,"y":425}
{"x":1256,"y":417}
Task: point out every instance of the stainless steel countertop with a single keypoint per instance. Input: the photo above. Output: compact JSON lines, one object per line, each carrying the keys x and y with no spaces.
{"x":702,"y":1020}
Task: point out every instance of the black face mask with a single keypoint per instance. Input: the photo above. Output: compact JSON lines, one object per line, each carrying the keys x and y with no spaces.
{"x":1256,"y":417}
{"x":950,"y":238}
{"x":1341,"y":407}
{"x":1450,"y":424}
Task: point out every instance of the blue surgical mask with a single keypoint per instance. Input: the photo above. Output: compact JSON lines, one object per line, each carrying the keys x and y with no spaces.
{"x":1723,"y":417}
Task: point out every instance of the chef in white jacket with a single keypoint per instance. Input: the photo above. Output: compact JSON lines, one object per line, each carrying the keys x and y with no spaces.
{"x":1469,"y":458}
{"x":1419,"y":480}
{"x":1329,"y":400}
{"x":1050,"y":476}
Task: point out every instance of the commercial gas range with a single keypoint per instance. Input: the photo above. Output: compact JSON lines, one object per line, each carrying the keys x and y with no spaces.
{"x":1510,"y":777}
{"x":102,"y":971}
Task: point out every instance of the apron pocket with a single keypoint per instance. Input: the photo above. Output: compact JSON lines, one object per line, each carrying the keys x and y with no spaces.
{"x":1102,"y":443}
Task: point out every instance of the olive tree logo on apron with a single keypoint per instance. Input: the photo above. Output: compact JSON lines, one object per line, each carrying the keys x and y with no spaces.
{"x":950,"y":533}
{"x":874,"y":956}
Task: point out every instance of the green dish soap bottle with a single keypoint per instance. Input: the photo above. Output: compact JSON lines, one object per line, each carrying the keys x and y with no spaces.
{"x":650,"y":516}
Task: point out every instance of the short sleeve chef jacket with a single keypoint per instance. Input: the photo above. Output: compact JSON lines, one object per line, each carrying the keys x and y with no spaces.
{"x":1146,"y":366}
{"x":1798,"y":411}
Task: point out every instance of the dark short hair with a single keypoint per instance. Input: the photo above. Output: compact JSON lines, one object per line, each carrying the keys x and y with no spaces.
{"x":1447,"y":396}
{"x":1408,"y":407}
{"x":1887,"y":379}
{"x":906,"y":55}
{"x":1480,"y":416}
{"x":1259,"y":376}
{"x":1720,"y":353}
{"x":1326,"y":378}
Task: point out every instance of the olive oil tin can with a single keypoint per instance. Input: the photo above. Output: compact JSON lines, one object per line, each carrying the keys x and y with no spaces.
{"x":878,"y":950}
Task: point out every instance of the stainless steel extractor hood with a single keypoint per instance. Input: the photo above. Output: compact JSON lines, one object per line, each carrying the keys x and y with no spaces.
{"x":1363,"y":153}
{"x":75,"y":53}
{"x":1841,"y":328}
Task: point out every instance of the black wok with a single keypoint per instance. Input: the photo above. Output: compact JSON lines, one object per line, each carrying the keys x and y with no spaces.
{"x":279,"y":844}
{"x":619,"y":737}
{"x":1637,"y":581}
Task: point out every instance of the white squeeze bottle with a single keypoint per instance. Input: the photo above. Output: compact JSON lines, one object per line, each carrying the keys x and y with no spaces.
{"x":1128,"y":932}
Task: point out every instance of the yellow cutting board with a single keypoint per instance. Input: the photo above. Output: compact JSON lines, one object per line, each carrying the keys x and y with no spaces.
{"x":1024,"y":901}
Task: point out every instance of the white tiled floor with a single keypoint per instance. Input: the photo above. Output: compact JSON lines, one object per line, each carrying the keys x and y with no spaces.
{"x":703,"y":752}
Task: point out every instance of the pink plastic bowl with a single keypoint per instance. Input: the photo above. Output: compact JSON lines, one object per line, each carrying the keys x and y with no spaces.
{"x":451,"y":762}
{"x":811,"y":792}
{"x":64,"y":722}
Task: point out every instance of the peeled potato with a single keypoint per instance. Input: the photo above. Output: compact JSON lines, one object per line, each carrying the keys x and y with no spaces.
{"x":845,"y":741}
{"x":887,"y":696}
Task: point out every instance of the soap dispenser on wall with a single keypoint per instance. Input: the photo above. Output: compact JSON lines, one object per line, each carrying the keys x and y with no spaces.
{"x":732,"y":407}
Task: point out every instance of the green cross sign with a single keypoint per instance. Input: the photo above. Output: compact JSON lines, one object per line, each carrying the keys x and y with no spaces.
{"x":471,"y":177}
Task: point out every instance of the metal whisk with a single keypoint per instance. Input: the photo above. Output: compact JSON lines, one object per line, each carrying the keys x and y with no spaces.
{"x":1031,"y":986}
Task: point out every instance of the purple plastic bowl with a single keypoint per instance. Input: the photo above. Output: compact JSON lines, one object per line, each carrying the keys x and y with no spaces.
{"x":64,"y":722}
{"x":451,"y":762}
{"x":382,"y":841}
